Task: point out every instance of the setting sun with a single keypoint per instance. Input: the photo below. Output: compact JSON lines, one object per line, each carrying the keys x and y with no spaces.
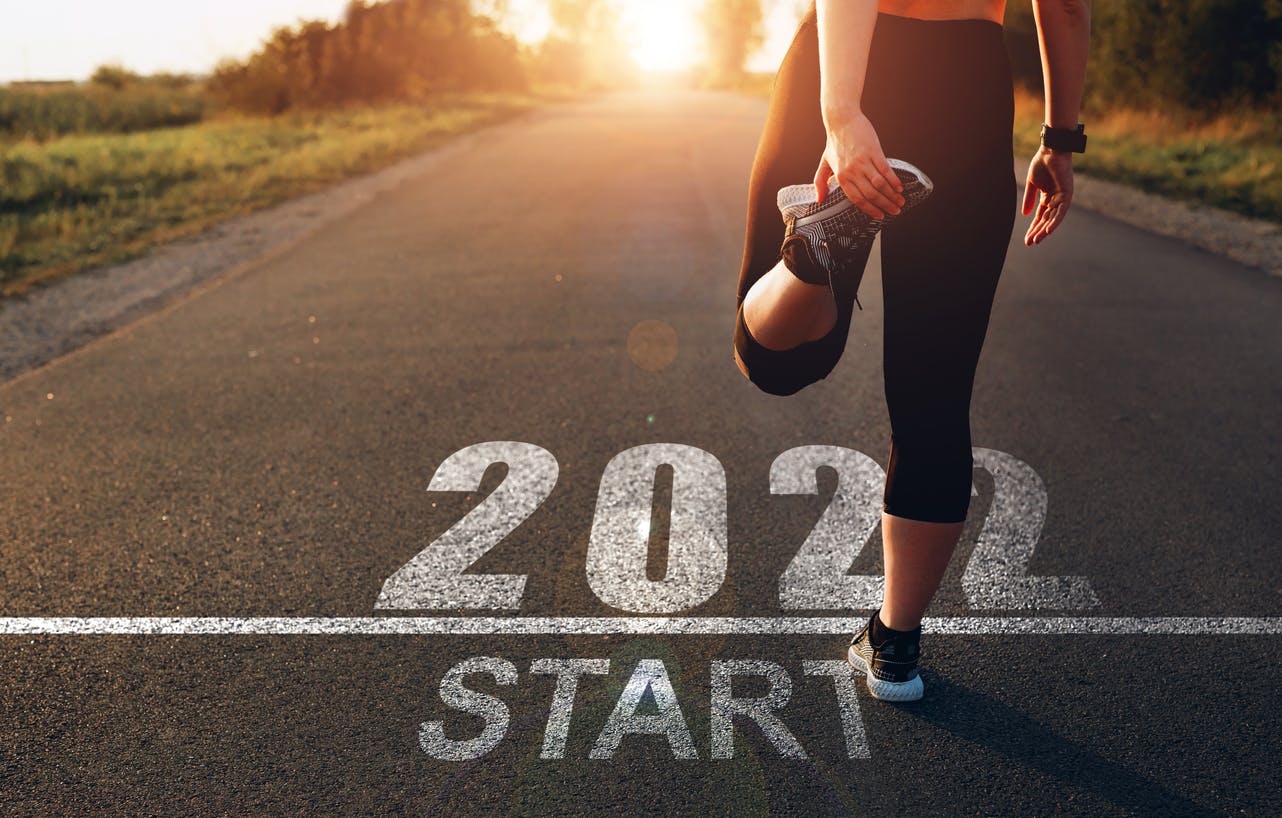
{"x":662,"y":35}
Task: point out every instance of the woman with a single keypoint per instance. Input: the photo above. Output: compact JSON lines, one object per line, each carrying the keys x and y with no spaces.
{"x":926,"y":83}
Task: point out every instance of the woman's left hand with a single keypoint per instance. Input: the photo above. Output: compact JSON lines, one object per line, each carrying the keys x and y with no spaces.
{"x":1051,"y":174}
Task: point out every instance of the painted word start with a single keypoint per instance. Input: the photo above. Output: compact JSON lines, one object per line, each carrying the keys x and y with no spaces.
{"x":634,"y":713}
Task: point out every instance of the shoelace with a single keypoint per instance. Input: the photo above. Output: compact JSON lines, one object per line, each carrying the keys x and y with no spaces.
{"x":843,"y":266}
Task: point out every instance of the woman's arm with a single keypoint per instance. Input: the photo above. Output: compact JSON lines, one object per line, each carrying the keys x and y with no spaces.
{"x":853,"y":153}
{"x":1064,"y":29}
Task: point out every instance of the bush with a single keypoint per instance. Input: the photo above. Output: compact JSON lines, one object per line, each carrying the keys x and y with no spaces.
{"x":113,"y":76}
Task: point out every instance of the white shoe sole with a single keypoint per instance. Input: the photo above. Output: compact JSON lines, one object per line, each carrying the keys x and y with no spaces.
{"x":909,"y":691}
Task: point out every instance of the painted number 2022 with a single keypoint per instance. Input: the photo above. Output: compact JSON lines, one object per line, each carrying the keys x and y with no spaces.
{"x":619,"y":545}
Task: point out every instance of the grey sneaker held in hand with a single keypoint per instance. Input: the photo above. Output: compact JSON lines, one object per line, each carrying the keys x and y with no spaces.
{"x":828,"y":238}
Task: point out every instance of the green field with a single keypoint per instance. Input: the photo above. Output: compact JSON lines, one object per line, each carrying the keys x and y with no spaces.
{"x":84,"y":200}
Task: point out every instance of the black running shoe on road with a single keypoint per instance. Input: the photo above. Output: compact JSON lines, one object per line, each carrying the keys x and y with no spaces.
{"x":829,"y":238}
{"x":889,"y":667}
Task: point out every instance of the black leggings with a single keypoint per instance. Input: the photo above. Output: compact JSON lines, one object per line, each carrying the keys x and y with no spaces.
{"x":939,"y":94}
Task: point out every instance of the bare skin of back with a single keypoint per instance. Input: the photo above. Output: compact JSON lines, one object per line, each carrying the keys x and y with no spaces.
{"x":945,"y":9}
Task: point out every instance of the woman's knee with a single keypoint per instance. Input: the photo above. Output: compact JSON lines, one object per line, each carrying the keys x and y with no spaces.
{"x":782,"y":372}
{"x":929,"y":480}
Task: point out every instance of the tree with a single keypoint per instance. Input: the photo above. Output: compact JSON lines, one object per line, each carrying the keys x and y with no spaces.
{"x":586,"y":44}
{"x":733,"y":30}
{"x":113,"y":76}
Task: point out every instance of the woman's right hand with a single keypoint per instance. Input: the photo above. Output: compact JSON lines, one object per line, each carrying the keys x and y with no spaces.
{"x":854,"y":155}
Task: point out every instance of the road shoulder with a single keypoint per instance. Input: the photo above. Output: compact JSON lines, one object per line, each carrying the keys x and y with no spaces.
{"x":58,"y":318}
{"x":1253,"y":242}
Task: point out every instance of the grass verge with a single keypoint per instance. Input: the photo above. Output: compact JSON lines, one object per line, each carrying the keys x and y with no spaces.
{"x":84,"y":201}
{"x":1232,"y":162}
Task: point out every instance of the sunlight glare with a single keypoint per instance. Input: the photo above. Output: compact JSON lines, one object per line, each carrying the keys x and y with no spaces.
{"x":663,"y":35}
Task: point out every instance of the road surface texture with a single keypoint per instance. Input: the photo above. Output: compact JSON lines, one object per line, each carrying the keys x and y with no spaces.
{"x":638,"y":573}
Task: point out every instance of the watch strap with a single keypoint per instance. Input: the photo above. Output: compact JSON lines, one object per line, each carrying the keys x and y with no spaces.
{"x":1070,"y":140}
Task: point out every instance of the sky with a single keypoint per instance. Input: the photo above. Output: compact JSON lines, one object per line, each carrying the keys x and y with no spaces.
{"x":67,"y":39}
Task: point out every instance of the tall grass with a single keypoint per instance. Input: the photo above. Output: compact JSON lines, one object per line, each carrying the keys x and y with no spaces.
{"x":43,"y":113}
{"x":85,"y":200}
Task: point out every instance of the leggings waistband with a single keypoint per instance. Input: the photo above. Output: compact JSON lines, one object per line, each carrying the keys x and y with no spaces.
{"x":933,"y":40}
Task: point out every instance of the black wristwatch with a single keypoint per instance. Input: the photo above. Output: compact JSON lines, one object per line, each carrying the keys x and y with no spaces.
{"x":1071,"y":140}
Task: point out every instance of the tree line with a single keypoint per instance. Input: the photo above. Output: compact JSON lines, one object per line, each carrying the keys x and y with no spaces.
{"x":1192,"y":55}
{"x":404,"y":50}
{"x":377,"y":52}
{"x":1196,"y":55}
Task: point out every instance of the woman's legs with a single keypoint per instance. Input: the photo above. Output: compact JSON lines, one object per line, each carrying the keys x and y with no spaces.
{"x":940,"y":268}
{"x":941,"y":263}
{"x":788,"y":334}
{"x":939,"y":279}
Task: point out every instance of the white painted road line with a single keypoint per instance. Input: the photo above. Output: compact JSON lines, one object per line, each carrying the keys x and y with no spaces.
{"x":617,"y":625}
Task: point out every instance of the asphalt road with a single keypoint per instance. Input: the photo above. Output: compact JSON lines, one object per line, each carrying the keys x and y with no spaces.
{"x":560,"y":294}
